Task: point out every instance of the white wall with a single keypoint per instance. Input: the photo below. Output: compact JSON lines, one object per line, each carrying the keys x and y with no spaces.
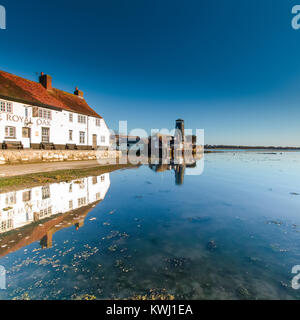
{"x":16,"y":213}
{"x":59,"y":127}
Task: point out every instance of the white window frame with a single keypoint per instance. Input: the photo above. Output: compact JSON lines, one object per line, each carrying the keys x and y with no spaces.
{"x":103,"y":139}
{"x":45,"y":114}
{"x":6,"y":106}
{"x":81,"y":119}
{"x":98,"y":122}
{"x":71,"y":117}
{"x":46,"y":192}
{"x":11,"y":198}
{"x":70,"y":135}
{"x":10,"y":132}
{"x":26,"y":112}
{"x":81,"y":137}
{"x":45,"y":136}
{"x":82,"y":202}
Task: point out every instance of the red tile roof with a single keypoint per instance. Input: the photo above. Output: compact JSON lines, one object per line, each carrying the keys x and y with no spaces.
{"x":26,"y":91}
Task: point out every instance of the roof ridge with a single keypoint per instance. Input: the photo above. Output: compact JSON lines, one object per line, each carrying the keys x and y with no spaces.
{"x":35,"y":82}
{"x":16,"y":87}
{"x":14,"y":75}
{"x":66,"y":92}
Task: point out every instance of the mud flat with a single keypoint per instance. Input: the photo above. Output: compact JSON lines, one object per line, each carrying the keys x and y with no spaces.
{"x":20,"y":176}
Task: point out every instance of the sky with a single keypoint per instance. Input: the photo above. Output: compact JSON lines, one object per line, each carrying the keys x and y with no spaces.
{"x":229,"y":67}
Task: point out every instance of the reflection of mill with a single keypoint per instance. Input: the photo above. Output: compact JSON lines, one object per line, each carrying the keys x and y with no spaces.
{"x":179,"y":174}
{"x":178,"y":165}
{"x":36,"y":214}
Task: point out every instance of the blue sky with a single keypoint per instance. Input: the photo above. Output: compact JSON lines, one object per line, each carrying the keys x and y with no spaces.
{"x":231,"y":67}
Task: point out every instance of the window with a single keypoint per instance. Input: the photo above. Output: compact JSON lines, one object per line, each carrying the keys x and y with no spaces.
{"x":98,"y":122}
{"x":26,"y":112}
{"x":10,"y":132}
{"x":82,"y":184}
{"x":11,"y":199}
{"x":95,"y":180}
{"x":81,"y":202}
{"x":6,"y":225}
{"x":26,"y":196}
{"x":6,"y":107}
{"x":71,"y":188}
{"x":45,"y":212}
{"x":45,"y":193}
{"x":71,"y":204}
{"x":45,"y":135}
{"x":9,"y":107}
{"x":45,"y":114}
{"x":71,"y":135}
{"x":81,"y":137}
{"x":71,"y":117}
{"x":103,"y":139}
{"x":102,"y":178}
{"x":81,"y":119}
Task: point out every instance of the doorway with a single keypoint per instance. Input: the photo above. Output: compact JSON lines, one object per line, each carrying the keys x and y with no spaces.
{"x":94,"y":141}
{"x":45,"y":135}
{"x":26,"y":137}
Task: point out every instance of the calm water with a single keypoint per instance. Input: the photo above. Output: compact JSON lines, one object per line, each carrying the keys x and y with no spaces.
{"x":230,"y":233}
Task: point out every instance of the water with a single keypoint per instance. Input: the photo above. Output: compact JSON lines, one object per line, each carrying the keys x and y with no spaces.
{"x":230,"y":233}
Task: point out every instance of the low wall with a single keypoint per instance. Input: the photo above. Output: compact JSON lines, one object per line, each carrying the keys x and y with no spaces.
{"x":36,"y":156}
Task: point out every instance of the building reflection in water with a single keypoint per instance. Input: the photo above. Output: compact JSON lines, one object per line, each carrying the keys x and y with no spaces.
{"x":179,"y":166}
{"x":35,"y":214}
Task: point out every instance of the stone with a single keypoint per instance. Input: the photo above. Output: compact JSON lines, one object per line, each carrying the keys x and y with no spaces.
{"x":211,"y":245}
{"x":36,"y":156}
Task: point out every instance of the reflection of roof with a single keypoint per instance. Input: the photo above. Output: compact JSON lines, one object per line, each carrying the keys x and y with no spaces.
{"x":26,"y":91}
{"x":33,"y":232}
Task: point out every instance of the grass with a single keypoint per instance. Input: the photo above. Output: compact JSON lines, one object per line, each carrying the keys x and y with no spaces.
{"x":37,"y":179}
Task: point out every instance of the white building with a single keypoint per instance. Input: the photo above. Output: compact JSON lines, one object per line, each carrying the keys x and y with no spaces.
{"x":36,"y":115}
{"x":21,"y":208}
{"x":36,"y":214}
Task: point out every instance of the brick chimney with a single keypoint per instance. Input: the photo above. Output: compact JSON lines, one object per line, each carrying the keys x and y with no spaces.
{"x":46,"y":81}
{"x":78,"y":93}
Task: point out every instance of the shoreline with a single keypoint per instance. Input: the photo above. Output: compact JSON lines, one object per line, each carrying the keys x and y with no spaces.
{"x":26,"y":181}
{"x":17,"y":176}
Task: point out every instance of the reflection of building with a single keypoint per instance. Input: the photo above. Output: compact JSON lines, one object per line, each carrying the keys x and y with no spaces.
{"x":178,"y":169}
{"x":123,"y":142}
{"x":179,"y":174}
{"x":39,"y":212}
{"x":178,"y":164}
{"x":180,"y":127}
